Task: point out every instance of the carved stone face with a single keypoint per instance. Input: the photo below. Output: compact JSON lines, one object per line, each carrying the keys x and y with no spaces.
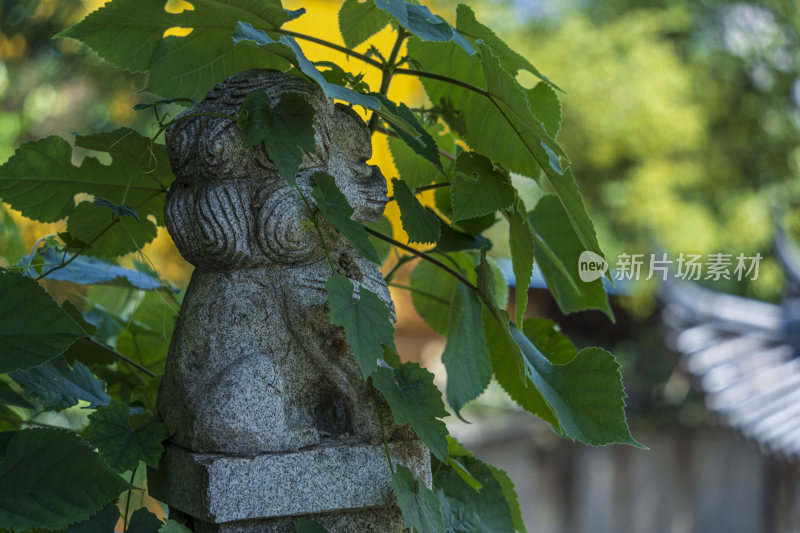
{"x":229,"y":208}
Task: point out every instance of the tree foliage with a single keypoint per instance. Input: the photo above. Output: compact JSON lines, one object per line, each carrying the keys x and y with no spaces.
{"x":478,"y":127}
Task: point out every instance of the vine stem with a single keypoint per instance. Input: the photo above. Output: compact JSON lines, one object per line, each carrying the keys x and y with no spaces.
{"x":424,"y":188}
{"x":379,"y":65}
{"x":313,"y":216}
{"x":421,"y":293}
{"x":383,"y":430}
{"x":422,"y":255}
{"x":333,"y":46}
{"x":128,"y":502}
{"x":31,"y":422}
{"x":388,"y":69}
{"x":121,"y":357}
{"x":76,"y":254}
{"x":400,"y":262}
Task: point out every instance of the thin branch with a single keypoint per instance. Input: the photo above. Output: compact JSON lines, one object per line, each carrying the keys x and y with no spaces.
{"x":424,"y":188}
{"x":312,"y":215}
{"x":30,"y":422}
{"x":330,"y":45}
{"x":79,"y":252}
{"x":422,"y":255}
{"x":121,"y":357}
{"x":439,"y":77}
{"x":388,"y":71}
{"x":400,"y":262}
{"x":422,"y":293}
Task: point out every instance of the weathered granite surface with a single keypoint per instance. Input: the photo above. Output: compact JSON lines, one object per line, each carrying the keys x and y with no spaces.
{"x":315,"y":480}
{"x":254,"y":366}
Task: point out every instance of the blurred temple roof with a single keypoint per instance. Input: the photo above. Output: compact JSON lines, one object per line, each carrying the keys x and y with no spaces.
{"x":743,"y":354}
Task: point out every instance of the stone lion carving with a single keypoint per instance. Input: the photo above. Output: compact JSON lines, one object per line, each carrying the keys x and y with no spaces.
{"x":254,"y":364}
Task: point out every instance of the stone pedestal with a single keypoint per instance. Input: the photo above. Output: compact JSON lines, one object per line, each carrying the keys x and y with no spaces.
{"x":343,"y":486}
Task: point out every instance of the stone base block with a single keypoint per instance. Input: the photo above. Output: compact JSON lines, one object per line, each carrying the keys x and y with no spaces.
{"x":344,"y":486}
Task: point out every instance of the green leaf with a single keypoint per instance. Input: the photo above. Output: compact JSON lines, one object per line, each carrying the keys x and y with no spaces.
{"x":414,"y":170}
{"x":419,"y":504}
{"x":334,"y":207}
{"x":414,"y":398}
{"x":301,"y":525}
{"x":468,"y":25}
{"x":422,"y":225}
{"x":146,"y":336}
{"x":520,"y":240}
{"x":121,"y":446}
{"x":287,"y":48}
{"x":557,"y":250}
{"x":383,"y":248}
{"x":453,"y":240}
{"x":143,"y":521}
{"x":501,"y":125}
{"x":511,"y":101}
{"x":467,"y":510}
{"x":547,"y":337}
{"x":358,"y":21}
{"x":366,"y":321}
{"x":90,"y":223}
{"x":103,"y":521}
{"x":171,"y":526}
{"x":50,"y":479}
{"x":405,"y":123}
{"x":34,"y":329}
{"x":421,"y":22}
{"x":466,"y":356}
{"x":119,"y":210}
{"x":85,"y":270}
{"x":129,"y":34}
{"x":462,"y":471}
{"x":89,"y":353}
{"x":434,"y":290}
{"x":510,"y":494}
{"x":140,"y":169}
{"x":147,"y":394}
{"x":9,"y":397}
{"x":57,"y":386}
{"x":545,"y":105}
{"x":507,"y":362}
{"x":40,"y":180}
{"x":285,"y":132}
{"x":586,"y":394}
{"x":478,"y":188}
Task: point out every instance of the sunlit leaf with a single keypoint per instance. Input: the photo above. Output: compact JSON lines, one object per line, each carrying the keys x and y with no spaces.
{"x":421,"y":225}
{"x":359,"y":20}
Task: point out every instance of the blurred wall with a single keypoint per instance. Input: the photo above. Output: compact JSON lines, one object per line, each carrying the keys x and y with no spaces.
{"x":699,"y":480}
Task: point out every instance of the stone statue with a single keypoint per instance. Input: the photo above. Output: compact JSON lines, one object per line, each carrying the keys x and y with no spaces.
{"x":254,"y":365}
{"x":269,"y":416}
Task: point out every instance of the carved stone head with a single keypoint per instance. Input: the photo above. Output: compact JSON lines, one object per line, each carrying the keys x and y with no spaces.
{"x":230,"y":209}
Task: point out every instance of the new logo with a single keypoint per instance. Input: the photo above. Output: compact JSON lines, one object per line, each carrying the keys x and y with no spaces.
{"x":591,"y":266}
